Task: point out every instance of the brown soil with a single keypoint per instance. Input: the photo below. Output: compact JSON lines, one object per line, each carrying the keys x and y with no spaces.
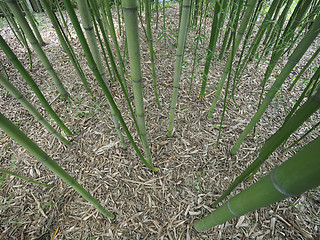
{"x":193,"y":171}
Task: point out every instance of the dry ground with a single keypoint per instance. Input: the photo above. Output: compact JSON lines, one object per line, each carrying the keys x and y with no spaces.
{"x":193,"y":171}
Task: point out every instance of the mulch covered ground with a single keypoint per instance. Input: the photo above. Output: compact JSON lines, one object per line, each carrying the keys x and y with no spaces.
{"x":193,"y":170}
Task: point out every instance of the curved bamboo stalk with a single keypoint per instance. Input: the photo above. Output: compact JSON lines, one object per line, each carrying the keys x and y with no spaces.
{"x":88,"y":26}
{"x":32,"y":110}
{"x":97,"y":74}
{"x":13,"y":58}
{"x":179,"y":57}
{"x":39,"y":154}
{"x":36,"y":46}
{"x":292,"y":61}
{"x":291,"y":125}
{"x":298,"y":174}
{"x":132,"y":32}
{"x":7,"y":172}
{"x":243,"y":25}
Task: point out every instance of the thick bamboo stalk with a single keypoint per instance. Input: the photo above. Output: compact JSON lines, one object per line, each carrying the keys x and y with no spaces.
{"x":292,"y":61}
{"x":36,"y":46}
{"x":179,"y":56}
{"x":298,"y":174}
{"x":32,"y":110}
{"x":132,"y":32}
{"x":39,"y":154}
{"x":13,"y":58}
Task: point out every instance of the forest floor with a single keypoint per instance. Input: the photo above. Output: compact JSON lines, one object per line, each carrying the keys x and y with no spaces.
{"x":193,"y":170}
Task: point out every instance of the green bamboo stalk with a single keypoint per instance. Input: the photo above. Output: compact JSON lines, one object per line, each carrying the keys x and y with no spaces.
{"x":243,"y":25}
{"x":298,"y":174}
{"x":88,"y":27}
{"x":66,"y":47}
{"x":36,"y":46}
{"x":297,"y":78}
{"x":302,"y":137}
{"x":62,"y":18}
{"x":179,"y":57}
{"x":150,"y":40}
{"x":164,"y":24}
{"x":13,"y":58}
{"x":97,"y":74}
{"x":108,"y":21}
{"x":32,"y":110}
{"x":262,"y":29}
{"x":292,"y":61}
{"x":291,"y":125}
{"x":132,"y":32}
{"x":157,"y":12}
{"x":211,"y":47}
{"x":313,"y":79}
{"x":31,"y":21}
{"x":14,"y":132}
{"x":7,"y":172}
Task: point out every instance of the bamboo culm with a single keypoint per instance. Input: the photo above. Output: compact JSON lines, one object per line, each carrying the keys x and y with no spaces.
{"x":179,"y":57}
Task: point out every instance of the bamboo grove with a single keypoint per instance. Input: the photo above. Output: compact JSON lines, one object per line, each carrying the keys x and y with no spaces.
{"x":242,"y":32}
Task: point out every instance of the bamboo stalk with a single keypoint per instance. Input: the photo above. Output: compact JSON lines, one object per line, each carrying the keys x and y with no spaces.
{"x":39,"y":154}
{"x":132,"y":33}
{"x":298,"y":174}
{"x":179,"y":57}
{"x":7,"y":172}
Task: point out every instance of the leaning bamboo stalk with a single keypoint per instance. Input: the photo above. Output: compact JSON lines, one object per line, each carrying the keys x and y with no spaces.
{"x":150,"y":40}
{"x":132,"y":33}
{"x":243,"y":25}
{"x":7,"y":172}
{"x":292,"y":61}
{"x":97,"y":74}
{"x":31,"y":21}
{"x":83,"y":7}
{"x":14,"y":132}
{"x":32,"y":110}
{"x":63,"y":40}
{"x":179,"y":56}
{"x":13,"y":58}
{"x":298,"y":174}
{"x":290,"y":126}
{"x":36,"y":46}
